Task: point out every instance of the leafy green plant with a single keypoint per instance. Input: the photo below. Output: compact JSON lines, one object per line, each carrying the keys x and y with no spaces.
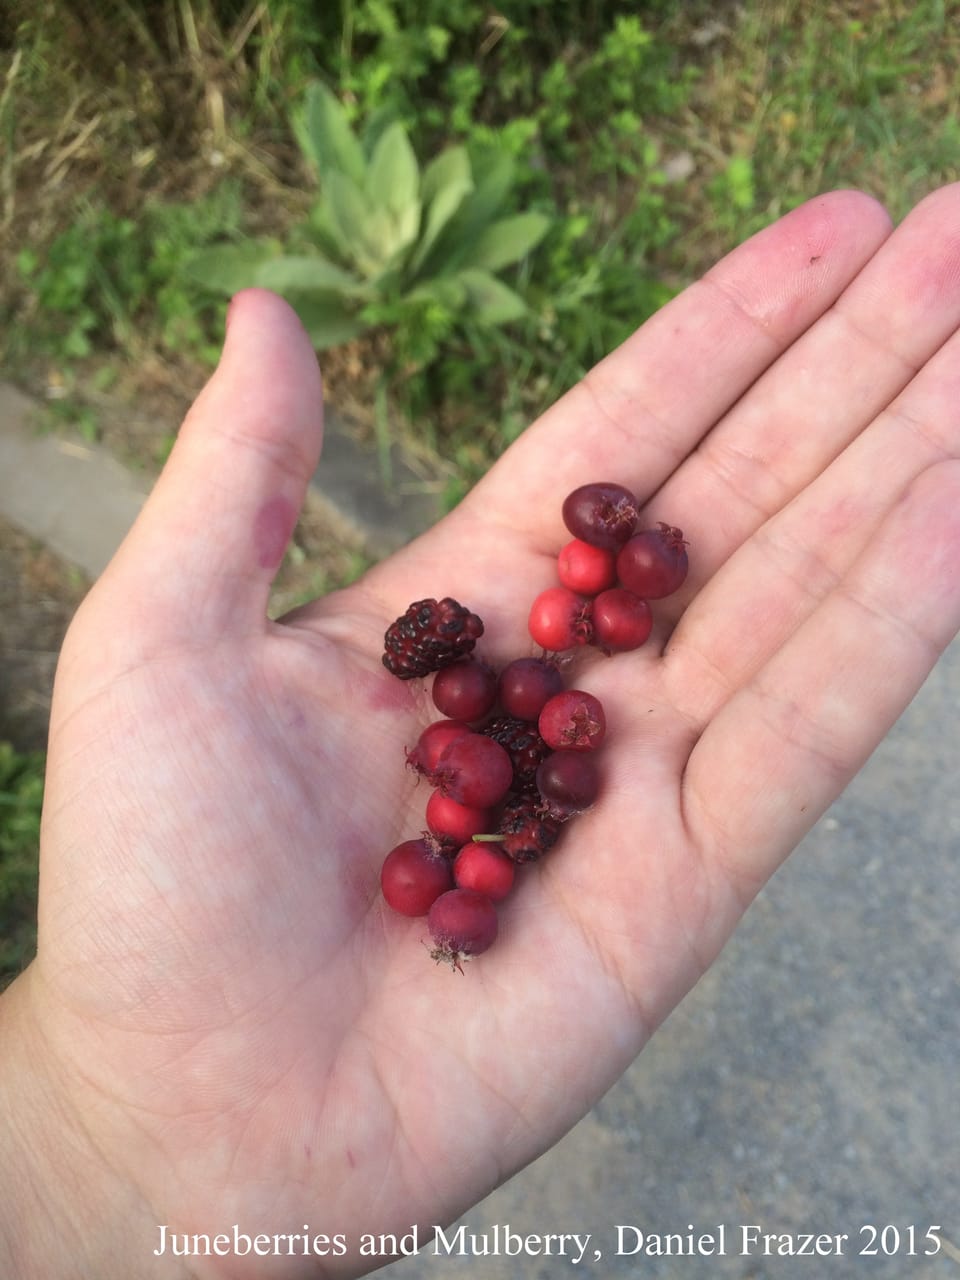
{"x":77,"y":285}
{"x":732,"y":192}
{"x":107,"y":281}
{"x":586,"y":296}
{"x":21,"y":796}
{"x":387,"y":243}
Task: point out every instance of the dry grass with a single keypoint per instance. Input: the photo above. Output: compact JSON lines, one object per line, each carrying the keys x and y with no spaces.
{"x":158,"y":112}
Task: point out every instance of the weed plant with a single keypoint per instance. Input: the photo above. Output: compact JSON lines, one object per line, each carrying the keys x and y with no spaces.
{"x":651,"y":137}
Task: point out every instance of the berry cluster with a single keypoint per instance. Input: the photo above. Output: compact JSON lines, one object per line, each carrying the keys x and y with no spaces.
{"x":514,"y":756}
{"x":609,"y":572}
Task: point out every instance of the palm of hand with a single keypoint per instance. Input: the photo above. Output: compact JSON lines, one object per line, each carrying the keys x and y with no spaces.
{"x":215,"y":961}
{"x":256,"y":1006}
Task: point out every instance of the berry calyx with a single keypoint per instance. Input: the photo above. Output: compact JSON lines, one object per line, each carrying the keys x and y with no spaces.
{"x":621,"y":620}
{"x":573,"y":721}
{"x":603,"y":514}
{"x":586,"y":568}
{"x":560,"y":619}
{"x":429,"y":635}
{"x":653,"y":563}
{"x":462,"y":924}
{"x":413,"y":876}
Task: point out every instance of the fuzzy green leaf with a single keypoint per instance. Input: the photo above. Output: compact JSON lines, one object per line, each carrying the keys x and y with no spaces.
{"x":325,"y":137}
{"x":391,"y":238}
{"x":407,"y":229}
{"x":507,"y":241}
{"x":449,"y":291}
{"x":326,"y":233}
{"x":328,"y":320}
{"x":493,"y":176}
{"x":447,"y":181}
{"x":489,"y":300}
{"x":303,"y":274}
{"x":228,"y":268}
{"x":450,"y":166}
{"x":393,"y":175}
{"x":351,"y":216}
{"x":475,"y":210}
{"x":392,"y":187}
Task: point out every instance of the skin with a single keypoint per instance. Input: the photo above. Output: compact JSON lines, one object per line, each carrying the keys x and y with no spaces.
{"x":223,"y":1023}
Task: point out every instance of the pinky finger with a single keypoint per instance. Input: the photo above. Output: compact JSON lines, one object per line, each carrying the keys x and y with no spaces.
{"x":782,"y":749}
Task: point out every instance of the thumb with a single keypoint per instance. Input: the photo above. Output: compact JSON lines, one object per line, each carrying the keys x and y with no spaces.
{"x":201,"y":557}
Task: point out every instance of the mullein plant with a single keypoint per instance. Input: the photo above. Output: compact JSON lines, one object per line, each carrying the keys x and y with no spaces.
{"x":386,"y":239}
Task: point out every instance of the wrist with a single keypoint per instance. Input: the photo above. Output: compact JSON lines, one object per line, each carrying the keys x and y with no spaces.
{"x":64,"y":1213}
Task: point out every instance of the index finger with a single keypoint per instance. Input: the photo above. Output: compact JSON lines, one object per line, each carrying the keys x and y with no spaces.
{"x":643,"y":408}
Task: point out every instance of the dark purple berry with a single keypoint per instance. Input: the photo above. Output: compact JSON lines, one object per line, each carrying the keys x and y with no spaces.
{"x":466,"y":690}
{"x":602,"y":514}
{"x":523,"y":745}
{"x":568,"y":783}
{"x":525,"y":832}
{"x":526,"y":684}
{"x":430,"y":635}
{"x":654,"y":563}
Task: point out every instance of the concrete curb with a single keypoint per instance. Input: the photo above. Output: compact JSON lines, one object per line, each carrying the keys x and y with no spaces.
{"x":75,"y":498}
{"x":80,"y":501}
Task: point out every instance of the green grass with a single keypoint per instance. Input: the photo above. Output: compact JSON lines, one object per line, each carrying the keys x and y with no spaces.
{"x":654,"y":140}
{"x":807,"y":98}
{"x":21,"y":794}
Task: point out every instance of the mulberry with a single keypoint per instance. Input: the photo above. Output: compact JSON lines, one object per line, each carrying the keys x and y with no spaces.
{"x":430,"y":635}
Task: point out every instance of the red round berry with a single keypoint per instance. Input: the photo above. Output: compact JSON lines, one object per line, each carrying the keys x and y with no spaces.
{"x":484,"y":868}
{"x":474,"y":770}
{"x":586,"y":568}
{"x":454,"y":823}
{"x":467,"y":690}
{"x":621,"y":620}
{"x":433,"y":742}
{"x":413,"y":876}
{"x":603,"y":514}
{"x":462,"y":923}
{"x":654,"y":562}
{"x":526,"y":684}
{"x":560,"y":619}
{"x":568,"y":782}
{"x":573,"y":721}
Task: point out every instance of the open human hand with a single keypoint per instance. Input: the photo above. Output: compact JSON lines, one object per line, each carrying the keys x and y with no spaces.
{"x":223,"y":1020}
